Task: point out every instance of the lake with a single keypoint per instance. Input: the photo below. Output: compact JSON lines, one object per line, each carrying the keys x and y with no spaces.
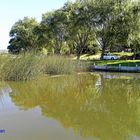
{"x":87,"y":106}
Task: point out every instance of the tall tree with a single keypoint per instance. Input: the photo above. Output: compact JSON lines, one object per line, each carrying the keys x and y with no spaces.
{"x":79,"y":29}
{"x":103,"y":16}
{"x":54,"y":25}
{"x":110,"y":22}
{"x":22,"y":36}
{"x":134,"y":35}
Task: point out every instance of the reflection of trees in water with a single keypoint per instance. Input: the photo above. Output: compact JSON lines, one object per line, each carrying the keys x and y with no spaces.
{"x":111,"y":113}
{"x":121,"y":97}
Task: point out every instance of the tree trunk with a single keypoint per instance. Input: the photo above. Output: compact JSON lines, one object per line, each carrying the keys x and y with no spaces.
{"x":78,"y":51}
{"x":78,"y":56}
{"x":57,"y":51}
{"x":103,"y":50}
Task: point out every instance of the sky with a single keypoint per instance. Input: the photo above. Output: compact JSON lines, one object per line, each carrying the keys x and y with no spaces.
{"x":13,"y":10}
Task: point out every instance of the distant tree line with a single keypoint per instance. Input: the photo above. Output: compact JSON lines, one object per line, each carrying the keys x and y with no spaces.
{"x":84,"y":26}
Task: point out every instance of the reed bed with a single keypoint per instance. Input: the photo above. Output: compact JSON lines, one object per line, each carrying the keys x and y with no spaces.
{"x":20,"y":67}
{"x":29,"y":66}
{"x":59,"y":65}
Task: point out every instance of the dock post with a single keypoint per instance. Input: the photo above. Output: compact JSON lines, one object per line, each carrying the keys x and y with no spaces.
{"x":136,"y":68}
{"x":93,"y":68}
{"x":119,"y":67}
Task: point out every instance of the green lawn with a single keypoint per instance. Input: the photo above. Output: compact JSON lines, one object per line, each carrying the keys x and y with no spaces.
{"x":123,"y":54}
{"x":130,"y":63}
{"x":95,"y":59}
{"x":98,"y":55}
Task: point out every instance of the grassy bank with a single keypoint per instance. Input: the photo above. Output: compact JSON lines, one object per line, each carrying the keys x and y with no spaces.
{"x":95,"y":59}
{"x":29,"y":66}
{"x":122,"y":55}
{"x":130,"y":63}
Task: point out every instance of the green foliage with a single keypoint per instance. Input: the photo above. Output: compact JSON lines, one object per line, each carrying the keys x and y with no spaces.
{"x":22,"y":67}
{"x":54,"y":25}
{"x":134,"y":36}
{"x":29,"y":66}
{"x":130,"y":63}
{"x":93,"y":49}
{"x":61,"y":65}
{"x":22,"y":37}
{"x":80,"y":31}
{"x":84,"y":26}
{"x":113,"y":22}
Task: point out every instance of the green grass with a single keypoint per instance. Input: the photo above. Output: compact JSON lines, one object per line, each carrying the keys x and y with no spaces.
{"x":98,"y":55}
{"x":121,"y":54}
{"x":130,"y":63}
{"x":90,"y":57}
{"x":95,"y":59}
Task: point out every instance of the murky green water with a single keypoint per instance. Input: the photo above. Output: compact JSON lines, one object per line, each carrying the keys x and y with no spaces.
{"x":104,"y":106}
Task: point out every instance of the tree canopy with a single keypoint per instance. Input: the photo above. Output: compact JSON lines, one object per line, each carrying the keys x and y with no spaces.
{"x":81,"y":27}
{"x":22,"y":36}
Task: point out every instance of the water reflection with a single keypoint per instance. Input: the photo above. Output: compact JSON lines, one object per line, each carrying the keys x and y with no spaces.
{"x":92,"y":105}
{"x":4,"y":97}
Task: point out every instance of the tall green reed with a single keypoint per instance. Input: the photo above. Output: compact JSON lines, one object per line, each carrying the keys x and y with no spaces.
{"x":29,"y":66}
{"x":59,"y":65}
{"x":20,"y":67}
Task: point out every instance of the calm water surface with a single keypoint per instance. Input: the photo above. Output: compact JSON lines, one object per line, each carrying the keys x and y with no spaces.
{"x":93,"y":106}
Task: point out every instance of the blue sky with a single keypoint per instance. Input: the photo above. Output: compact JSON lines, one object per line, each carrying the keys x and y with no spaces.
{"x":13,"y":10}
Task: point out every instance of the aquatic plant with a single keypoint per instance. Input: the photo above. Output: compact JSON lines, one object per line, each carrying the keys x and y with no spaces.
{"x":20,"y":67}
{"x":29,"y":66}
{"x":61,"y":65}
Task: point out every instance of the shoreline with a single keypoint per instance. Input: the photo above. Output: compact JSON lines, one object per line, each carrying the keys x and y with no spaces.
{"x":119,"y":68}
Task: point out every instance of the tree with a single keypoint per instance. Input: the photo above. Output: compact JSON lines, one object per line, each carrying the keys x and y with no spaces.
{"x":80,"y":31}
{"x":22,"y":36}
{"x":116,"y":23}
{"x":103,"y":16}
{"x":134,"y":35}
{"x":54,"y":25}
{"x":80,"y":27}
